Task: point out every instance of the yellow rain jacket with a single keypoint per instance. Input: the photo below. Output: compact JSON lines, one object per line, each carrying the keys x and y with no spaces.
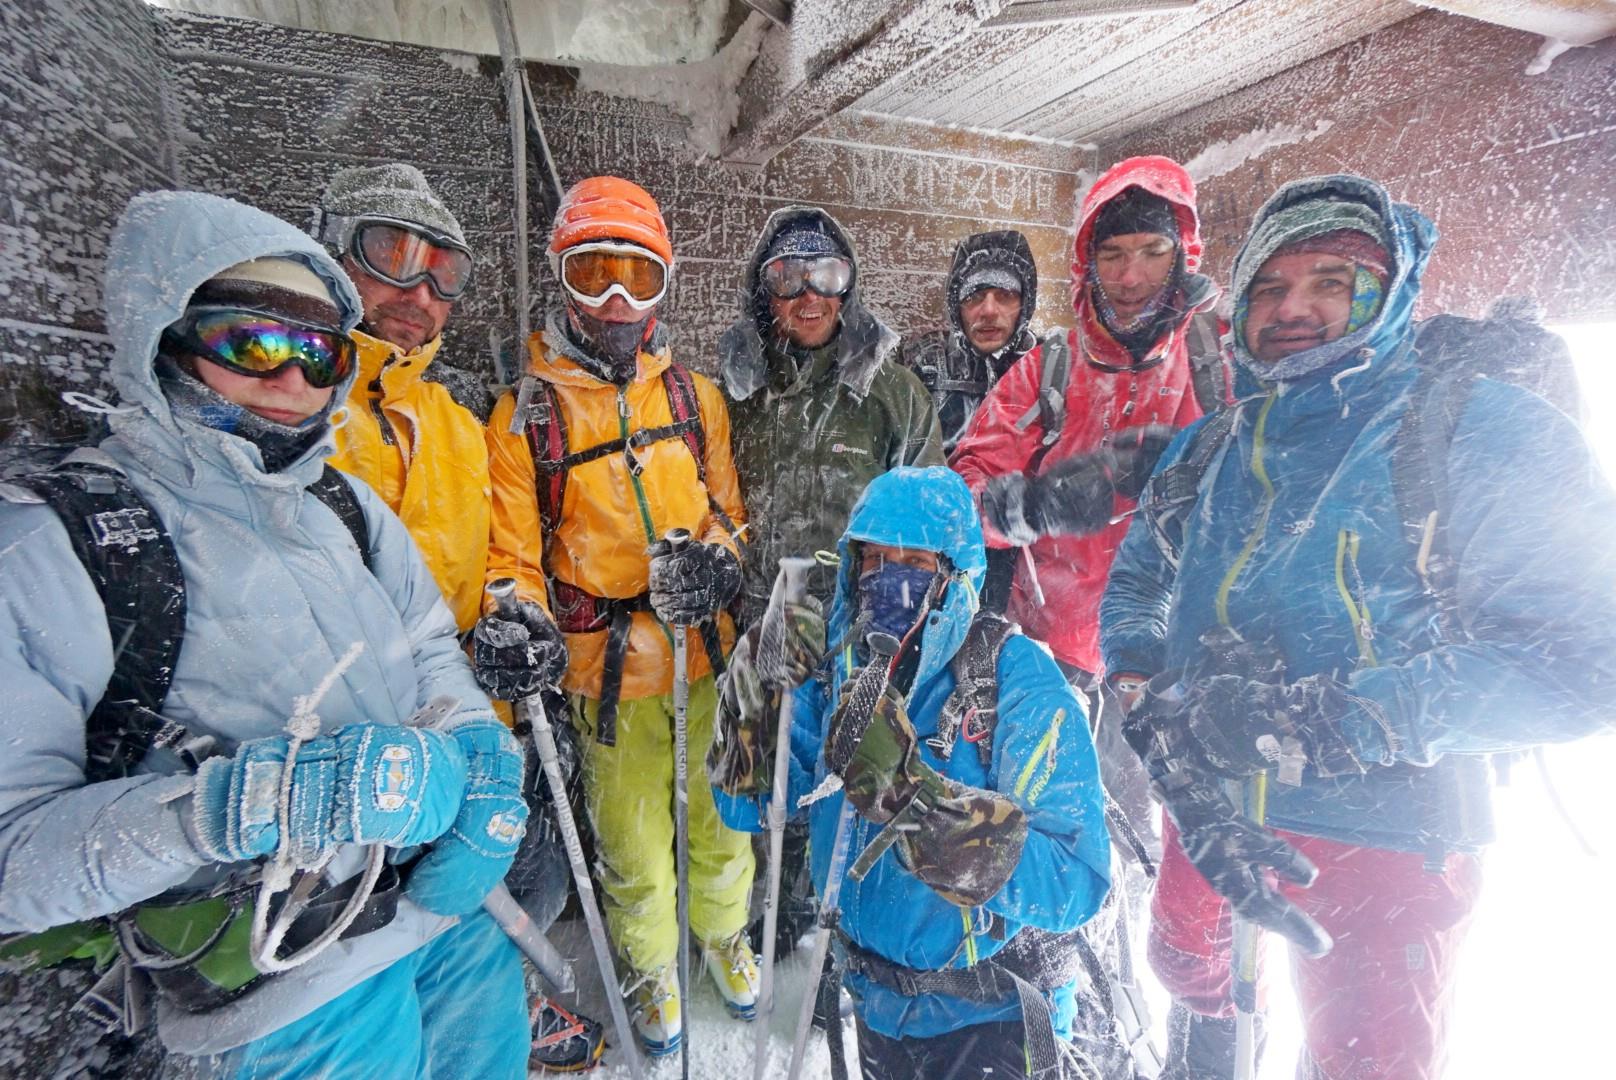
{"x":610,"y":515}
{"x":427,"y":458}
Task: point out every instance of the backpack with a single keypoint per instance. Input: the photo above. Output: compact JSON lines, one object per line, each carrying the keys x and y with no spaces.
{"x":137,"y":573}
{"x":1208,"y":375}
{"x":1453,"y":352}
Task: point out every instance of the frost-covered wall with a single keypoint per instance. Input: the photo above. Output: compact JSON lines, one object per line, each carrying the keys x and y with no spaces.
{"x":82,"y":128}
{"x":1514,"y":168}
{"x":907,"y":193}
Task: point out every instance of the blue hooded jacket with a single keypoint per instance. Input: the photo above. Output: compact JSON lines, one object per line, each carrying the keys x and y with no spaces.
{"x":276,"y":593}
{"x":1042,"y":758}
{"x":1297,"y":541}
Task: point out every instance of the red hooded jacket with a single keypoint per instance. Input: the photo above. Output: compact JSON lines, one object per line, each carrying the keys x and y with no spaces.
{"x":1106,"y":393}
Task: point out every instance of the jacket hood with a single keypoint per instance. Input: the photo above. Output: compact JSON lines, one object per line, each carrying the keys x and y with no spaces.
{"x":1006,"y":250}
{"x":1412,"y":234}
{"x":165,"y":245}
{"x":928,"y":508}
{"x":1157,"y":175}
{"x":864,"y":341}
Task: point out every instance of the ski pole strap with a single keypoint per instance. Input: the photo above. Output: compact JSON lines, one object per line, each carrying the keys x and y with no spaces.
{"x":988,"y":983}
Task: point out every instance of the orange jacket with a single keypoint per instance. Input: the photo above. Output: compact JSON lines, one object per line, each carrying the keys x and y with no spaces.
{"x":427,"y":458}
{"x":609,"y":515}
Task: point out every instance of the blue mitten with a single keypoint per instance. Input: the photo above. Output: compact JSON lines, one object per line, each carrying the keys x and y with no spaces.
{"x":473,"y":856}
{"x":363,"y":784}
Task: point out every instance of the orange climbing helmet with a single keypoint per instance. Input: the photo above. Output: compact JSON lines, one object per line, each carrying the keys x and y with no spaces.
{"x":609,"y":208}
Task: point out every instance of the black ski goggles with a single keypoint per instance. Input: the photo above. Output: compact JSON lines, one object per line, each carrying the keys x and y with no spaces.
{"x":259,"y":345}
{"x":827,"y":275}
{"x":405,"y":254}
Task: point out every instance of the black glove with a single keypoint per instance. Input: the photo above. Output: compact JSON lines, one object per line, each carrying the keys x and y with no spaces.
{"x":1072,"y":497}
{"x":1234,"y":854}
{"x":1135,"y":453}
{"x":514,"y":659}
{"x":692,"y":583}
{"x":1230,"y":850}
{"x":1238,"y":727}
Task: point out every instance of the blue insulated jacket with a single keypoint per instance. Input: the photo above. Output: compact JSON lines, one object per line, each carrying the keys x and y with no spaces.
{"x":1296,"y":540}
{"x":275,"y":592}
{"x":1042,"y":758}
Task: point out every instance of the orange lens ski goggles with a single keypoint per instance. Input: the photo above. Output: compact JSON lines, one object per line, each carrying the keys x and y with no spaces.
{"x":593,"y":273}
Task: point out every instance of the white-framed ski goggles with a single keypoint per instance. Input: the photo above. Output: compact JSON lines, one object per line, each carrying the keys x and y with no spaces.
{"x":595,"y":272}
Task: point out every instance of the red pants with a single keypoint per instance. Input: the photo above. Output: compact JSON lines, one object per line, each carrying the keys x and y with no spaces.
{"x":1376,"y":1005}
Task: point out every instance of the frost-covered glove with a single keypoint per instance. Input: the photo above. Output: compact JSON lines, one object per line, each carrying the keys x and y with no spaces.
{"x":692,"y":583}
{"x":1072,"y":497}
{"x":741,"y":758}
{"x":1233,"y":853}
{"x":472,"y":857}
{"x":1134,"y":456}
{"x":362,"y":784}
{"x":962,"y":841}
{"x":515,"y":659}
{"x":1238,"y":727}
{"x":791,"y":658}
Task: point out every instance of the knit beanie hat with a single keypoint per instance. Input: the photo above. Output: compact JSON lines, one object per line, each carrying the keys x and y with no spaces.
{"x":1135,"y":210}
{"x":394,"y":190}
{"x":1304,"y":221}
{"x":805,"y":238}
{"x":278,"y":286}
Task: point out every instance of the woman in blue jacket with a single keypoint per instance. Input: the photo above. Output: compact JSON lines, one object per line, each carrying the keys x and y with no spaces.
{"x":1012,"y":845}
{"x":1378,"y":571}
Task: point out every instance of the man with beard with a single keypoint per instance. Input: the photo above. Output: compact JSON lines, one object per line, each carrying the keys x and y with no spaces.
{"x":991,"y":294}
{"x":1356,"y":585}
{"x":607,"y":445}
{"x":1063,"y":445}
{"x":406,"y":437}
{"x":820,"y":410}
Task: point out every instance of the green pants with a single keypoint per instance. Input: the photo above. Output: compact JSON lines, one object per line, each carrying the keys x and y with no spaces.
{"x":629,"y":789}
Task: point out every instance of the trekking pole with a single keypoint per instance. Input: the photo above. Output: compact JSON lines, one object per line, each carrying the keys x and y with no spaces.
{"x":1254,"y":796}
{"x":789,"y":588}
{"x":532,"y":709}
{"x":676,"y":539}
{"x":865,"y":696}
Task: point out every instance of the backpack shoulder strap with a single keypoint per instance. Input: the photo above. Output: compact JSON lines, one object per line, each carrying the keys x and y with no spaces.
{"x":131,"y":559}
{"x":338,"y":495}
{"x":547,"y":441}
{"x":1208,"y":376}
{"x":1171,"y":495}
{"x":1055,"y":367}
{"x":686,"y":410}
{"x":972,"y":708}
{"x":1420,"y":481}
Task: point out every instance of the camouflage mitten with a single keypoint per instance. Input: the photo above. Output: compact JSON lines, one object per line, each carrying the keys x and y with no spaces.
{"x":741,"y":758}
{"x":962,"y":841}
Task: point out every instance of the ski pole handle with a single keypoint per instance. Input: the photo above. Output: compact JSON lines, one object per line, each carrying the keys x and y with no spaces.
{"x":676,"y":538}
{"x":503,"y":590}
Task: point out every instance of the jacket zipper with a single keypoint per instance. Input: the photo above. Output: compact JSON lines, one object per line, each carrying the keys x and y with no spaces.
{"x":1260,"y":470}
{"x":1354,"y":596}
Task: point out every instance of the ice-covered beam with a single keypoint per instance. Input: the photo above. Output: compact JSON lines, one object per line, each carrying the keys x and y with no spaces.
{"x":832,"y":53}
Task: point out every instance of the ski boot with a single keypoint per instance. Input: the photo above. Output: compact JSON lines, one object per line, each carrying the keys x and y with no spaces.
{"x":734,"y":969}
{"x":657,"y":1012}
{"x":563,"y":1041}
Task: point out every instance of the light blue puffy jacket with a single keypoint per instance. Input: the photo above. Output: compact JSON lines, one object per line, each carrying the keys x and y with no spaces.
{"x":276,"y":593}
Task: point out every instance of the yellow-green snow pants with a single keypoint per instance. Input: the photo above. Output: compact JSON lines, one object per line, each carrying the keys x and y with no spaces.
{"x":629,"y":790}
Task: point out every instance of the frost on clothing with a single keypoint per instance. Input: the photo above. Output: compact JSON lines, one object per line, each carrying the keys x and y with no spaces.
{"x":614,"y":506}
{"x":812,"y":428}
{"x":1324,"y":570}
{"x":1108,"y":391}
{"x":427,"y":458}
{"x":1042,"y":760}
{"x":276,"y":595}
{"x":956,"y":373}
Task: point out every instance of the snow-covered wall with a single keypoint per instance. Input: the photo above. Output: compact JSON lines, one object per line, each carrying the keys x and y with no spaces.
{"x":117,"y":97}
{"x":1514,"y":168}
{"x":82,"y":128}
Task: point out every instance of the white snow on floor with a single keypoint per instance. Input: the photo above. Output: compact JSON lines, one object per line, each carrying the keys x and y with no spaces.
{"x":720,"y":1045}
